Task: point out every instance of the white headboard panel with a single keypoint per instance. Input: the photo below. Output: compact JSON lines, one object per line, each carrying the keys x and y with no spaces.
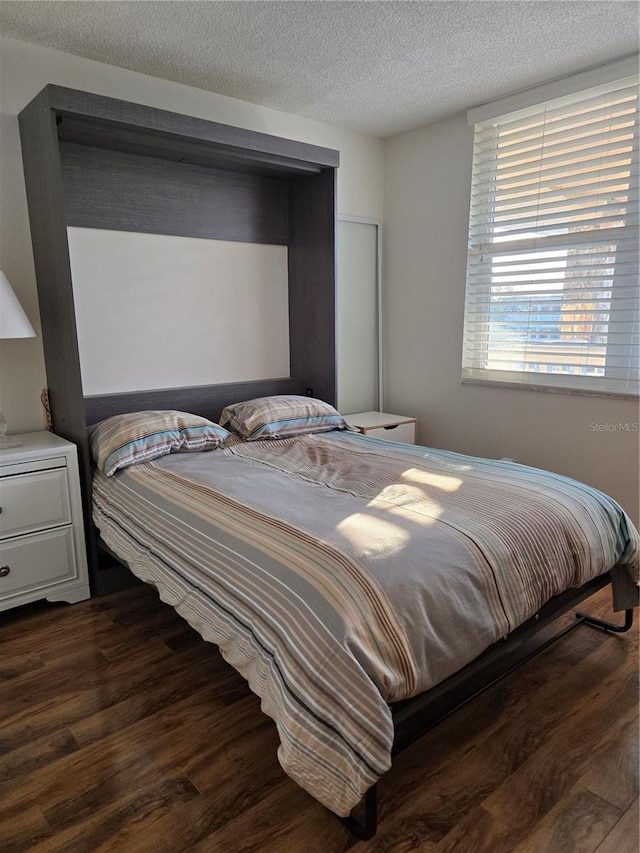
{"x":156,"y":311}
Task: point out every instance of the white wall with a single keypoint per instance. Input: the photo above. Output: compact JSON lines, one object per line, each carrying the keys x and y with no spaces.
{"x":230,"y":299}
{"x":24,"y":71}
{"x":427,"y":187}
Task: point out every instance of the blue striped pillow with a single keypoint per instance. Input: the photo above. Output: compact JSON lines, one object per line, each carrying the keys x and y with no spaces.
{"x":140,"y":436}
{"x":281,"y":417}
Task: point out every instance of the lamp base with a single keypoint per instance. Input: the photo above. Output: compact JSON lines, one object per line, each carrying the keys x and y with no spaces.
{"x":9,"y":441}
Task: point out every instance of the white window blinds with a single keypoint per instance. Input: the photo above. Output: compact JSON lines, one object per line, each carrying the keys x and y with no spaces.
{"x":552,"y":272}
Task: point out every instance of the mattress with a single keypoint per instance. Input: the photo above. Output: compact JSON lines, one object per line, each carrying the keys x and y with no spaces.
{"x":339,"y":573}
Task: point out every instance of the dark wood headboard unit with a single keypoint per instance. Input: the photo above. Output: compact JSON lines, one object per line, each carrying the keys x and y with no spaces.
{"x":97,"y":162}
{"x":205,"y":400}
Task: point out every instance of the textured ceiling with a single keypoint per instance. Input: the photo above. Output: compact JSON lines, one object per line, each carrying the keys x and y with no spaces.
{"x":378,"y":66}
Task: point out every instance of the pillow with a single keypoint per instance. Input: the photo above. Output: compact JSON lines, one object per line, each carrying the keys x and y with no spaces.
{"x":140,"y":436}
{"x":281,"y":417}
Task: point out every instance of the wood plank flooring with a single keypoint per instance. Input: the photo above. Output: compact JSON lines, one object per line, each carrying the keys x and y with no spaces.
{"x":121,"y":730}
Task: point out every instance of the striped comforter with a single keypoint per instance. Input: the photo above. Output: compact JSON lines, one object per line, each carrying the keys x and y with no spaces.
{"x":339,"y":573}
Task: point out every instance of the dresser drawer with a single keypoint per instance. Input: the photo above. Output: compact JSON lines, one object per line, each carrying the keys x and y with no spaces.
{"x":39,"y":560}
{"x":34,"y":502}
{"x":405,"y":433}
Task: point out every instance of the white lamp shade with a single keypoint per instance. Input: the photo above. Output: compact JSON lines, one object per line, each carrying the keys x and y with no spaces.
{"x":14,"y":323}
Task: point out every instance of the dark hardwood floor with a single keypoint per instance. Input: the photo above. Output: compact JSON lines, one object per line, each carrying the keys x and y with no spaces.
{"x":121,"y":730}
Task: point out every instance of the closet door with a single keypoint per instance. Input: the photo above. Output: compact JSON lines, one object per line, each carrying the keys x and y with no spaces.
{"x":358,"y":315}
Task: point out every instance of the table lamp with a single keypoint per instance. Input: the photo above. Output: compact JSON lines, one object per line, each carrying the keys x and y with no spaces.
{"x":14,"y":323}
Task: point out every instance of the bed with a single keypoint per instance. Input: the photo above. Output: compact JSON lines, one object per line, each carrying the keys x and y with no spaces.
{"x":346,"y":577}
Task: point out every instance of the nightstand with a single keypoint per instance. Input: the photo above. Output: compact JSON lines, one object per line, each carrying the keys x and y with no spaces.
{"x":383,"y":425}
{"x":42,"y":546}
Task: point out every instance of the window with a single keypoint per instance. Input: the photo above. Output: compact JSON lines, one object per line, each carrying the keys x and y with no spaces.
{"x":552,"y":270}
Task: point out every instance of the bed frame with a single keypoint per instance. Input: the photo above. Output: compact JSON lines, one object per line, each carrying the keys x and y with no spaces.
{"x":97,"y":162}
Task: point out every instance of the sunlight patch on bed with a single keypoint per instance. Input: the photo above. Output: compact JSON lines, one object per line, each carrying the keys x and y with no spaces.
{"x":438,"y":481}
{"x":372,"y":536}
{"x":409,"y":503}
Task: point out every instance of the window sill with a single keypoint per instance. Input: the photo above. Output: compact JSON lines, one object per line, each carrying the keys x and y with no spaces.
{"x":551,"y":389}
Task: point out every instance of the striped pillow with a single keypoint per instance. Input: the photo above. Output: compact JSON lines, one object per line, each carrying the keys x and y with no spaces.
{"x":140,"y":436}
{"x":281,"y":417}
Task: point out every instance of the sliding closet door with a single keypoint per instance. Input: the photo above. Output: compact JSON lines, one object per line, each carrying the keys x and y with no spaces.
{"x":358,"y":316}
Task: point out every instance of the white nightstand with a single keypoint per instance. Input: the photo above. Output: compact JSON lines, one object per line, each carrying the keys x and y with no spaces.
{"x":383,"y":425}
{"x":42,"y":547}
